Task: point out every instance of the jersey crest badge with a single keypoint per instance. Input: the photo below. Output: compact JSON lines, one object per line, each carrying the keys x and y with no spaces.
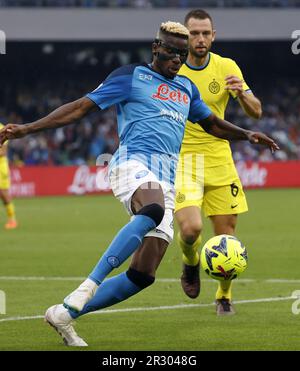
{"x":214,"y":87}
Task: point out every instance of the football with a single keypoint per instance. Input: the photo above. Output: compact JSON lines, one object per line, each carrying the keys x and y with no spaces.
{"x":224,"y":257}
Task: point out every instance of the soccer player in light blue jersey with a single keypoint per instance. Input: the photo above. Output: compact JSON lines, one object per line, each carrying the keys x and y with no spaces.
{"x":153,"y":104}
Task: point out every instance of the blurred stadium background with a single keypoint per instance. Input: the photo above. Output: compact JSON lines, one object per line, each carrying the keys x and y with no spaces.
{"x":57,"y":51}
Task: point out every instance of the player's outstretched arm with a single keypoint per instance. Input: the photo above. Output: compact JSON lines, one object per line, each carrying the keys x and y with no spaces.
{"x":226,"y":130}
{"x":64,"y":115}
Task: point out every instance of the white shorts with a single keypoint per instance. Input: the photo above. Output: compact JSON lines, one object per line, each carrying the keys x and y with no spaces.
{"x":127,"y":177}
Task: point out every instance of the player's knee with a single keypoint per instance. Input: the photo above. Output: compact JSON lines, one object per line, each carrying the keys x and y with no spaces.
{"x":190,"y":231}
{"x":154,"y":211}
{"x":140,"y":279}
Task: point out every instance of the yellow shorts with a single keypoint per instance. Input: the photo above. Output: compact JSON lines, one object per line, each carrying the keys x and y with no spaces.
{"x":217,"y":190}
{"x":4,"y":173}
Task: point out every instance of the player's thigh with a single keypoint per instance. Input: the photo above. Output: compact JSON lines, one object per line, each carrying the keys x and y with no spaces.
{"x":225,"y":199}
{"x":147,"y":193}
{"x":133,"y":181}
{"x":136,"y":186}
{"x":4,"y":194}
{"x":189,"y":221}
{"x":224,"y":224}
{"x":148,"y":257}
{"x":4,"y":177}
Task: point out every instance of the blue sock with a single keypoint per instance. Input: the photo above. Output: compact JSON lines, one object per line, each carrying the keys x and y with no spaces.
{"x":110,"y":292}
{"x":123,"y":245}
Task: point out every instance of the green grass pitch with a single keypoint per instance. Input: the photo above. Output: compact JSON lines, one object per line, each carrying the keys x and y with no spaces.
{"x":61,"y":238}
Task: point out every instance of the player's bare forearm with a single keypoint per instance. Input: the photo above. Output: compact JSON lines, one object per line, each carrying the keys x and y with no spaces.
{"x":223,"y":129}
{"x":64,"y":115}
{"x":226,"y":130}
{"x":250,"y":104}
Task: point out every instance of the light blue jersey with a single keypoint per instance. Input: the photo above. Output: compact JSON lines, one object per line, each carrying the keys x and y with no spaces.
{"x":151,"y":111}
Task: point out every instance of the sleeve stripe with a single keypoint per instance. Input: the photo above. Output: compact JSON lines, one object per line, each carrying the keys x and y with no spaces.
{"x":90,"y":97}
{"x":246,"y":91}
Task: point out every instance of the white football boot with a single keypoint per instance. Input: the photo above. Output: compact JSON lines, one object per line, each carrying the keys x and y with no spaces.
{"x":59,"y":318}
{"x":79,"y":297}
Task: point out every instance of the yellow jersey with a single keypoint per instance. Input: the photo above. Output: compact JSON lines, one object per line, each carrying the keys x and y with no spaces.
{"x":210,"y":81}
{"x":1,"y":127}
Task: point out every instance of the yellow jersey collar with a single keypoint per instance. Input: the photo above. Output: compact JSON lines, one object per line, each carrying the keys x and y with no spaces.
{"x":199,"y":68}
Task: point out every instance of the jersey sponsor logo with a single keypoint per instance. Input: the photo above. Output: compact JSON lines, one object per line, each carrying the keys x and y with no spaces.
{"x":141,"y":174}
{"x":174,"y":115}
{"x":142,"y":76}
{"x":234,"y":206}
{"x":165,"y":93}
{"x":214,"y":87}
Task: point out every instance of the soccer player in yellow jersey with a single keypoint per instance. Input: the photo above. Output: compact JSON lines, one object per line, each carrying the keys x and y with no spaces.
{"x":219,"y":193}
{"x":4,"y":188}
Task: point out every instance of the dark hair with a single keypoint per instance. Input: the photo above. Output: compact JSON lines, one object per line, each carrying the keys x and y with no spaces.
{"x":198,"y":14}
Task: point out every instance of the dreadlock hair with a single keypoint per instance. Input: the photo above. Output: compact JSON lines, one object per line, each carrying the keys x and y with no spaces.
{"x":173,"y":28}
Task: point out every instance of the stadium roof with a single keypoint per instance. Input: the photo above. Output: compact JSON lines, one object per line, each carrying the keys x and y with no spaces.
{"x":140,"y":24}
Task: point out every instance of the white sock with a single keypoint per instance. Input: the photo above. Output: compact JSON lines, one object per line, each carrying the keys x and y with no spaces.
{"x":89,"y":284}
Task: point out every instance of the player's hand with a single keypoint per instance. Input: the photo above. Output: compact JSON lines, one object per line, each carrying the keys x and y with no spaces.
{"x":12,"y":131}
{"x":255,"y":137}
{"x":234,"y":84}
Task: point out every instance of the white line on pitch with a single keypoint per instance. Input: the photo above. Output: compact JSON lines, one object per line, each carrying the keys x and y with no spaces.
{"x":281,"y":280}
{"x":240,"y":280}
{"x":165,"y":307}
{"x":28,"y":278}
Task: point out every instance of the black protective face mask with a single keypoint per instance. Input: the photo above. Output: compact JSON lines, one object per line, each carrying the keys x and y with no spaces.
{"x":170,"y":52}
